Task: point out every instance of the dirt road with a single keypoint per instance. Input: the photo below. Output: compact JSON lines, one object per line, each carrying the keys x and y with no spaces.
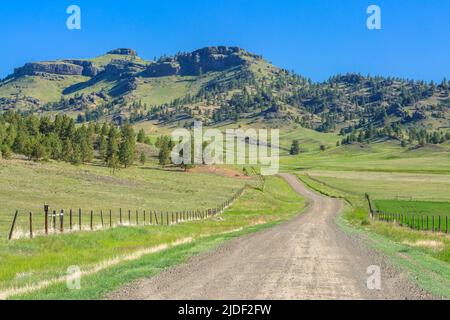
{"x":308,"y":257}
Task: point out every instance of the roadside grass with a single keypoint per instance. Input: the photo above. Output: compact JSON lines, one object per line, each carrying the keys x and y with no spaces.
{"x":26,"y":186}
{"x":424,"y":255}
{"x":28,"y":262}
{"x":98,"y":285}
{"x":429,"y":272}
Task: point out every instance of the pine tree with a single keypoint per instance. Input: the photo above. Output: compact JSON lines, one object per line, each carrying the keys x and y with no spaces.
{"x":143,"y":158}
{"x":165,"y":145}
{"x":6,"y":152}
{"x":127,"y":146}
{"x":112,"y":148}
{"x":102,"y":146}
{"x":113,"y":162}
{"x":141,"y":136}
{"x":38,"y":151}
{"x":295,"y":148}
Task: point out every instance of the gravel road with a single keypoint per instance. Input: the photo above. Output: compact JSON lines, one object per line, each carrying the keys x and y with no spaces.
{"x":308,"y":257}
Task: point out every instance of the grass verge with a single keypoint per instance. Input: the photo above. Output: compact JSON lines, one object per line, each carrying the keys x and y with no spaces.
{"x":424,"y":255}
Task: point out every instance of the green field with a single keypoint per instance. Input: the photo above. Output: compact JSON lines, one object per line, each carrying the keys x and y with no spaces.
{"x":419,"y":208}
{"x":377,"y":157}
{"x":26,"y":262}
{"x":384,"y":185}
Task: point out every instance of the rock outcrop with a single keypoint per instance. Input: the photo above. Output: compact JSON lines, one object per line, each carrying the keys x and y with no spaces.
{"x":163,"y":69}
{"x":121,"y":68}
{"x":200,"y":61}
{"x":61,"y":68}
{"x":65,"y":67}
{"x":123,"y":51}
{"x":88,"y":68}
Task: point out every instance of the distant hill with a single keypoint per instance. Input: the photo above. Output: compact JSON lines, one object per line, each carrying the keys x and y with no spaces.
{"x":220,"y":84}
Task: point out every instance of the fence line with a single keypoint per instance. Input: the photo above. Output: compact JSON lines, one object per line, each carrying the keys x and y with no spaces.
{"x":414,"y":221}
{"x":421,"y":222}
{"x":55,"y":221}
{"x":432,"y":223}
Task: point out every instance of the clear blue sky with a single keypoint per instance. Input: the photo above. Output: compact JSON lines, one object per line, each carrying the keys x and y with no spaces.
{"x":315,"y":38}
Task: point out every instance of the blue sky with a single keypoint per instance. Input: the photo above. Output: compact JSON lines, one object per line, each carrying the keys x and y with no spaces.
{"x":315,"y":38}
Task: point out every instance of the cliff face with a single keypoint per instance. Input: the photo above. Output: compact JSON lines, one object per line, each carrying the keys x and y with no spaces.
{"x":66,"y":67}
{"x":163,"y":69}
{"x":200,"y":61}
{"x":55,"y":68}
{"x":123,"y":68}
{"x":88,"y":68}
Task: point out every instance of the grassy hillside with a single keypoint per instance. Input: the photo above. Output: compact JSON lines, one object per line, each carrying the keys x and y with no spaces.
{"x":103,"y":60}
{"x":27,"y":186}
{"x":44,"y":88}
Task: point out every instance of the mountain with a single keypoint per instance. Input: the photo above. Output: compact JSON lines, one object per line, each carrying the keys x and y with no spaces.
{"x":220,"y":84}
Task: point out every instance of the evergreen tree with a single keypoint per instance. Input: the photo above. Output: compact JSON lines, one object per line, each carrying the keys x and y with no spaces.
{"x":112,"y":148}
{"x":295,"y":148}
{"x":141,"y":136}
{"x":143,"y":158}
{"x":6,"y":152}
{"x":165,"y":145}
{"x":102,"y":146}
{"x":127,"y":146}
{"x":38,"y":151}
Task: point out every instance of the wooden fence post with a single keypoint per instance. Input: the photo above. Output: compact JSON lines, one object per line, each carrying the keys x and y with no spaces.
{"x":110,"y":218}
{"x":70,"y":220}
{"x":101,"y":218}
{"x":150,"y":216}
{"x":137,"y":217}
{"x":156,"y":217}
{"x":129,"y":217}
{"x":31,"y":225}
{"x":61,"y":221}
{"x":120,"y":216}
{"x":54,"y":220}
{"x":446,"y":224}
{"x":92,"y":220}
{"x":144,"y":218}
{"x":13,"y":225}
{"x":46,"y":218}
{"x":162,"y":219}
{"x":80,"y":222}
{"x":167,"y":218}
